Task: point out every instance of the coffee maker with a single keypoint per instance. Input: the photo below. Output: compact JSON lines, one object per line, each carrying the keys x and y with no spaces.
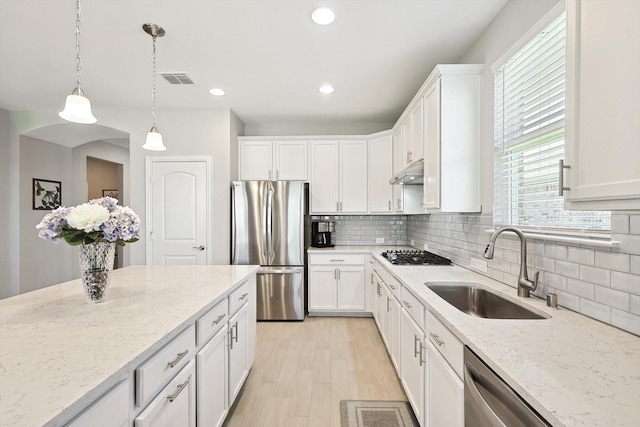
{"x":321,"y":233}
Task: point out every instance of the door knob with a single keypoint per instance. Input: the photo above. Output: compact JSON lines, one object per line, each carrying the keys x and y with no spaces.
{"x":200,"y":248}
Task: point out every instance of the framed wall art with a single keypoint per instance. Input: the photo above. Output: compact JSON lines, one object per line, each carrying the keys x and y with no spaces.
{"x":110,"y":193}
{"x":46,"y":194}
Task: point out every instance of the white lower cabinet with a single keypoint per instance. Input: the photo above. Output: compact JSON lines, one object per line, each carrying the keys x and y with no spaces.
{"x":445,"y":392}
{"x":337,"y":284}
{"x":413,"y":364}
{"x":111,"y":409}
{"x":212,"y":381}
{"x":176,"y":403}
{"x":395,"y":341}
{"x":237,"y":342}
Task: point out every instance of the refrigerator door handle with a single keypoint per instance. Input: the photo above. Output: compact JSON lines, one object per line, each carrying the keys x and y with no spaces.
{"x":269,"y":231}
{"x":281,"y":270}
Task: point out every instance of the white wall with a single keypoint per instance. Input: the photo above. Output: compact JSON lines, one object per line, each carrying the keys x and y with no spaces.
{"x":42,"y":263}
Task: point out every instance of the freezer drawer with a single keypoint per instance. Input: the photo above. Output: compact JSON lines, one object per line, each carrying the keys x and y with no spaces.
{"x":280,"y":293}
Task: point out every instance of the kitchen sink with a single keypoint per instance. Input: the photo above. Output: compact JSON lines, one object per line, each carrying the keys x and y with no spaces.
{"x":474,"y":300}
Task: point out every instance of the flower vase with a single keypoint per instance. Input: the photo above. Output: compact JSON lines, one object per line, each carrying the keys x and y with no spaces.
{"x":96,"y":265}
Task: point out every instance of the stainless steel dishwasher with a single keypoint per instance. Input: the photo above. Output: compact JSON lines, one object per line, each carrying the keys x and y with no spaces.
{"x":490,"y":402}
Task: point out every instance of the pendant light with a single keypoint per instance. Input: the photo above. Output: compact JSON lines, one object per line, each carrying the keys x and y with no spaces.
{"x":154,"y":138}
{"x":77,"y":107}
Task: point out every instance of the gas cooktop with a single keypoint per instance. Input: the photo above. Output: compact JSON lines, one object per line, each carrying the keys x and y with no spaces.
{"x":414,"y":257}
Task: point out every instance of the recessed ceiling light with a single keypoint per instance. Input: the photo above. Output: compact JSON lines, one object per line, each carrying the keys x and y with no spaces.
{"x":323,"y":16}
{"x":326,"y":88}
{"x":216,"y":91}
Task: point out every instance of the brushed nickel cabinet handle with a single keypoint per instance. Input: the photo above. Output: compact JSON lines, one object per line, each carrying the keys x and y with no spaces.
{"x":243,"y":296}
{"x":561,"y":168}
{"x":436,"y":338}
{"x":407,"y":304}
{"x":178,"y":358}
{"x":215,"y":322}
{"x":175,"y":394}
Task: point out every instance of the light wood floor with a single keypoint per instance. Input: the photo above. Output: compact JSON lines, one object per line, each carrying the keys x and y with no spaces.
{"x":303,"y":369}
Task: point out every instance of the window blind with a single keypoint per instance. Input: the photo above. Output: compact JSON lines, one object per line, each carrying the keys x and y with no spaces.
{"x":529,"y":138}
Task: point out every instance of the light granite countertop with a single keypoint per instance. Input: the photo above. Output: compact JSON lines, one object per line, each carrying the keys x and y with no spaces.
{"x":58,"y":353}
{"x":575,"y":371}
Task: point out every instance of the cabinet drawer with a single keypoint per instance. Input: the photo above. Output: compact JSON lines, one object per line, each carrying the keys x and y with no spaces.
{"x":336,"y":259}
{"x":394,"y":285}
{"x":112,"y":409}
{"x":162,"y":366}
{"x":414,"y":307}
{"x":211,"y":322}
{"x":446,"y":342}
{"x":176,"y":403}
{"x":238,"y":297}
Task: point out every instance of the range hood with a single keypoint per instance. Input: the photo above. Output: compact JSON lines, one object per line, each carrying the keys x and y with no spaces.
{"x":413,"y":174}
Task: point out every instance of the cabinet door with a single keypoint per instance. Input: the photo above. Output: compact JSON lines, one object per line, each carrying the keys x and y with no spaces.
{"x":176,"y":403}
{"x":290,"y":160}
{"x":603,"y":105}
{"x":252,"y":313}
{"x":211,"y":363}
{"x":111,"y":409}
{"x":383,"y":311}
{"x":255,"y":160}
{"x":395,"y":343}
{"x":351,"y":288}
{"x":445,"y":395}
{"x":237,"y":344}
{"x":413,"y":364}
{"x":322,"y":288}
{"x":406,"y":141}
{"x":416,"y":133}
{"x":353,"y":176}
{"x":324,"y":190}
{"x":380,"y":171}
{"x":398,"y":164}
{"x":431,"y":186}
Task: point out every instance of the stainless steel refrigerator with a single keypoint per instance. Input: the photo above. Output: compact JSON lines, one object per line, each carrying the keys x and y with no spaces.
{"x":269,"y":229}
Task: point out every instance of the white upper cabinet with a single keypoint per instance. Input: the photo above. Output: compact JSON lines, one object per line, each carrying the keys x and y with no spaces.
{"x":272,"y":160}
{"x":380,"y":170}
{"x":416,"y":133}
{"x":452,"y":149}
{"x":603,"y":105}
{"x":398,"y":164}
{"x":339,"y":176}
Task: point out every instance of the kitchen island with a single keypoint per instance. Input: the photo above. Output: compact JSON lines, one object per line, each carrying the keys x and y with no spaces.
{"x":59,"y":354}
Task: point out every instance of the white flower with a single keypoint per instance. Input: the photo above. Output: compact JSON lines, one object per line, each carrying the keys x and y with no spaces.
{"x":87,"y":217}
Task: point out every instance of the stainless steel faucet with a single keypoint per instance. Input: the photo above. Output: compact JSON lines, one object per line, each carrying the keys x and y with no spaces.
{"x":525,"y":286}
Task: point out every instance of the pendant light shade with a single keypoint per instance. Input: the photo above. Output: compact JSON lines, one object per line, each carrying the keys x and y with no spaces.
{"x":154,"y":141}
{"x":154,"y":138}
{"x":77,"y":108}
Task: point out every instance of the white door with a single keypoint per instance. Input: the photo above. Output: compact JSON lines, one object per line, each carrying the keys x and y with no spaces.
{"x":322,"y":288}
{"x":211,"y":384}
{"x":177,"y":211}
{"x":351,"y":288}
{"x":413,"y":364}
{"x":237,"y":358}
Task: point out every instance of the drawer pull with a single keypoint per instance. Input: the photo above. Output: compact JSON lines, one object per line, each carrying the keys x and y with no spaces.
{"x":336,"y":260}
{"x":422,"y":361}
{"x":392,"y":287}
{"x":243,"y":296}
{"x":407,"y":304}
{"x":219,"y":319}
{"x":178,"y":358}
{"x":175,"y":394}
{"x":436,"y":338}
{"x":416,"y":339}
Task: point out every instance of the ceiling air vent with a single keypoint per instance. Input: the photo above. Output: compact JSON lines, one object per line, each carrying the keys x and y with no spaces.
{"x":177,"y":78}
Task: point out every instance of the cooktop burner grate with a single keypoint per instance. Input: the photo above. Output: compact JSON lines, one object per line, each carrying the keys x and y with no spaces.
{"x":415,"y":257}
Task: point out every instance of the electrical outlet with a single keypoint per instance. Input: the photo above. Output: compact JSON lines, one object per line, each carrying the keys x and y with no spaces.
{"x":426,"y":246}
{"x":482,"y":266}
{"x":473,"y":263}
{"x":413,"y":242}
{"x":379,"y":240}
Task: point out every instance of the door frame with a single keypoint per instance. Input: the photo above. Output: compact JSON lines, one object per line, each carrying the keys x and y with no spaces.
{"x":149,"y":162}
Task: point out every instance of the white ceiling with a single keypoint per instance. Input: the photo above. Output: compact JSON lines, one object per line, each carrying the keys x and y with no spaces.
{"x":267,"y":54}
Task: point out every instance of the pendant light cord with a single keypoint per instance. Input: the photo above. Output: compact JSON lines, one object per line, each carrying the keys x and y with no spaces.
{"x":153,"y":79}
{"x":78,"y":60}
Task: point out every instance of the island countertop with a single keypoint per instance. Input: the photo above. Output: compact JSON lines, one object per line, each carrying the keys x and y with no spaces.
{"x":58,"y":353}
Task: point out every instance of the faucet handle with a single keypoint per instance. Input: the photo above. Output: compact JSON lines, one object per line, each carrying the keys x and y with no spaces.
{"x":535,"y":280}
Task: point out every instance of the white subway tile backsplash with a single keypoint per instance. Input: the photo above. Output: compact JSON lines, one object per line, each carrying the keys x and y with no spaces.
{"x":625,"y":282}
{"x":613,"y":261}
{"x":612,"y":298}
{"x":599,"y":276}
{"x":586,"y":280}
{"x":595,"y":310}
{"x":581,"y":256}
{"x":581,"y":289}
{"x":626,"y":321}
